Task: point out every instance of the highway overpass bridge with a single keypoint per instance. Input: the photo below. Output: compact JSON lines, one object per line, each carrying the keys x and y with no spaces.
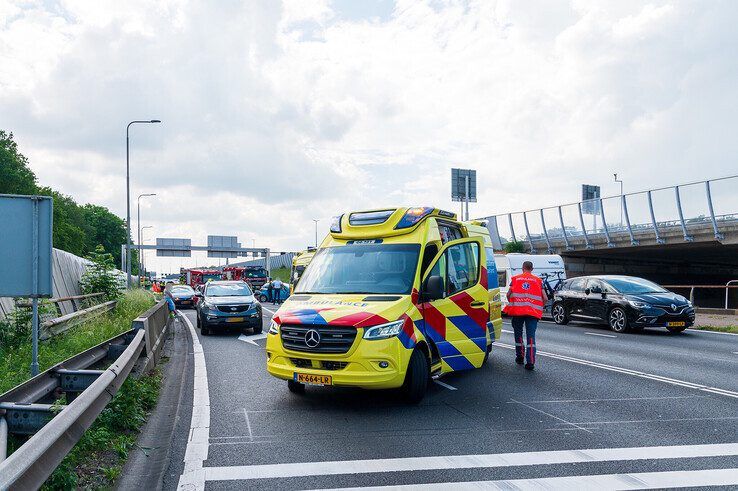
{"x":684,"y":234}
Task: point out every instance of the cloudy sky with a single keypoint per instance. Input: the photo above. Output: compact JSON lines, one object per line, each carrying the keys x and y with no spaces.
{"x":275,"y":114}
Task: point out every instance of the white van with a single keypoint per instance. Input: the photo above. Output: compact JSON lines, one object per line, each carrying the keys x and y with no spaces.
{"x":509,"y":265}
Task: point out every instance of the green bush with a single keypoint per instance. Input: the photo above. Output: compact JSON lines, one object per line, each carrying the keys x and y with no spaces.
{"x":15,"y":330}
{"x":100,"y":277}
{"x":514,"y":246}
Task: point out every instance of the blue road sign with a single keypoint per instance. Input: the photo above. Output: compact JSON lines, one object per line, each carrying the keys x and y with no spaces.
{"x":25,"y":245}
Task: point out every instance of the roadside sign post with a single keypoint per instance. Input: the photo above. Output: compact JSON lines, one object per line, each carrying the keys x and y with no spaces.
{"x":25,"y":254}
{"x":591,"y":203}
{"x":464,"y":189}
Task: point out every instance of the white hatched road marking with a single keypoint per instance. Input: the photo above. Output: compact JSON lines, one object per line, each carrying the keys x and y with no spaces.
{"x":442,"y":384}
{"x":452,"y":462}
{"x":640,"y":480}
{"x":193,"y":474}
{"x":599,"y":334}
{"x":635,"y":373}
{"x":252,"y":339}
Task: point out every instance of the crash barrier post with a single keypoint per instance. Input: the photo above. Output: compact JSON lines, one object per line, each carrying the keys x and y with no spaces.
{"x":28,"y":408}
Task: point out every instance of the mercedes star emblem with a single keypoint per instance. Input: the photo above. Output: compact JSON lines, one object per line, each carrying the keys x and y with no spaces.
{"x":312,"y":338}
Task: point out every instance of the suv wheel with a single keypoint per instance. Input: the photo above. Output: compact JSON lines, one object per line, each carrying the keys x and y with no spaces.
{"x":417,"y":377}
{"x":559,"y":314}
{"x":617,"y":320}
{"x":259,"y":327}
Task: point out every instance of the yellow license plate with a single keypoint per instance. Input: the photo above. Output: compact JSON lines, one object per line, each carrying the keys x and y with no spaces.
{"x":676,"y":324}
{"x":234,"y":319}
{"x":308,"y":379}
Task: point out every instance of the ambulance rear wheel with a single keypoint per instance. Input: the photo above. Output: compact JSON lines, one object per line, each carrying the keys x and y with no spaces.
{"x":295,"y":387}
{"x":417,"y":377}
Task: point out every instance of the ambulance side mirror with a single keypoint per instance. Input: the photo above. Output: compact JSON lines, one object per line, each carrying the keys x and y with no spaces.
{"x":433,"y":288}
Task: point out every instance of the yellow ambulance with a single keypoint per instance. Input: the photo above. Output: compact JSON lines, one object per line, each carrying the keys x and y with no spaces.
{"x":391,"y":298}
{"x":299,"y":263}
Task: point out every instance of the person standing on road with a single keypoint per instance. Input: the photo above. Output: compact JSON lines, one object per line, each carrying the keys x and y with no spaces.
{"x":525,"y":300}
{"x":277,"y":286}
{"x":169,"y":298}
{"x":269,"y":290}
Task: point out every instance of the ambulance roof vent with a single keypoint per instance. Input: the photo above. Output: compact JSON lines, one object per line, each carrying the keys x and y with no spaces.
{"x":370,"y":217}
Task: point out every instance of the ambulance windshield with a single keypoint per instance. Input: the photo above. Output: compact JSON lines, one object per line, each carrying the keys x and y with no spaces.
{"x":362,"y":268}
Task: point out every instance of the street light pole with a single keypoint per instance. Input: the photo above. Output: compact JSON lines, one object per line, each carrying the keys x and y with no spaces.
{"x":141,"y":256}
{"x":615,"y":175}
{"x":140,"y":251}
{"x":128,"y":198}
{"x":316,"y":232}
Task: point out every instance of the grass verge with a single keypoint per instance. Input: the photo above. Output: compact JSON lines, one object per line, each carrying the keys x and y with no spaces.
{"x":96,"y":461}
{"x":15,"y":362}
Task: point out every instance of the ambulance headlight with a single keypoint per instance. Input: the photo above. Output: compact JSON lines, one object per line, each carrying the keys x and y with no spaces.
{"x":336,"y":224}
{"x":273,"y":328}
{"x":413,"y":216}
{"x":384,"y":331}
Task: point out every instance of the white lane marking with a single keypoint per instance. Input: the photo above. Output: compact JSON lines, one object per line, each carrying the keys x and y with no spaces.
{"x":635,"y":373}
{"x":705,"y":331}
{"x":193,"y":475}
{"x":442,"y":384}
{"x":455,"y":462}
{"x":636,"y":480}
{"x":511,"y":332}
{"x":252,"y":339}
{"x":611,"y":400}
{"x":550,"y":415}
{"x":598,"y":334}
{"x":268,"y":310}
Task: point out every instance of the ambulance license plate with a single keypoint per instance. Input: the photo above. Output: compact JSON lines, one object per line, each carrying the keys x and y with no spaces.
{"x":234,"y":319}
{"x":305,"y":378}
{"x":675,"y":324}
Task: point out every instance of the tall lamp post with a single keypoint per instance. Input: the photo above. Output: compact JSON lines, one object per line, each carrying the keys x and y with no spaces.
{"x":138,"y":220}
{"x":316,"y":232}
{"x":615,"y":175}
{"x":141,"y":262}
{"x":128,"y":198}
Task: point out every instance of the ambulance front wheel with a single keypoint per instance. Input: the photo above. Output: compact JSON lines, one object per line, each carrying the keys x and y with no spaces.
{"x":295,"y":387}
{"x":417,"y":377}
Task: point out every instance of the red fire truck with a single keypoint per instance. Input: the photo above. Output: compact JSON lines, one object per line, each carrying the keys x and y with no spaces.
{"x":255,"y":276}
{"x":197,"y":277}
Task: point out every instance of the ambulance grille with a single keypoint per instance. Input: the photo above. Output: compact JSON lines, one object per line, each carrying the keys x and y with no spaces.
{"x":333,"y":339}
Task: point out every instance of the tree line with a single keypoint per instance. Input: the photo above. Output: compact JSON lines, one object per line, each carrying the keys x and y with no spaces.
{"x":78,"y":229}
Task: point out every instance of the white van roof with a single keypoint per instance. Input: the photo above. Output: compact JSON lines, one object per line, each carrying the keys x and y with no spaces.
{"x":540,"y":261}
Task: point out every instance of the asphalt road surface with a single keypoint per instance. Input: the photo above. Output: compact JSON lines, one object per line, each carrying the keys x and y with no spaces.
{"x":628,"y":411}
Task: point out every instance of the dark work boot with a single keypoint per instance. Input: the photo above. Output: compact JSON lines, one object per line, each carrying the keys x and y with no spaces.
{"x":519,"y":360}
{"x":529,"y":366}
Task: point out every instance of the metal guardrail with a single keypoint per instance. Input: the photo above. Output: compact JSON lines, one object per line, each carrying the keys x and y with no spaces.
{"x":28,"y":409}
{"x":727,"y":287}
{"x":58,"y":325}
{"x":710,"y":204}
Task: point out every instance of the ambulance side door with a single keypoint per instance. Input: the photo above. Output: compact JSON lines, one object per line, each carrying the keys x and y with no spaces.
{"x":455,"y":304}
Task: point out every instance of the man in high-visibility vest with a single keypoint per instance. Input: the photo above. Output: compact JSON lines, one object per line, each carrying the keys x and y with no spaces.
{"x":525,"y":300}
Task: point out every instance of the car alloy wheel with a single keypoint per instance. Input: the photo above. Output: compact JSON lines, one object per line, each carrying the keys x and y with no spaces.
{"x":559,"y":314}
{"x":618,"y":321}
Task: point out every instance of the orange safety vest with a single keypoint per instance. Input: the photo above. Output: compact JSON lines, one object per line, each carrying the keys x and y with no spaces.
{"x":526,"y":297}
